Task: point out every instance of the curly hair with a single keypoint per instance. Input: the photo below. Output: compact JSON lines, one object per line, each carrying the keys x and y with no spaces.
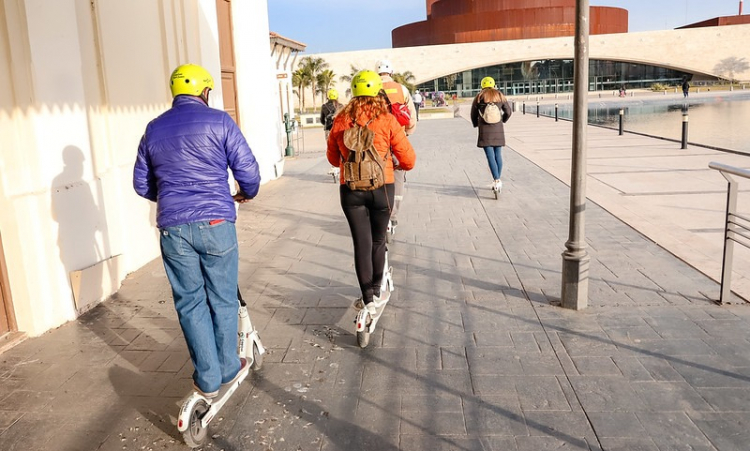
{"x":371,"y":107}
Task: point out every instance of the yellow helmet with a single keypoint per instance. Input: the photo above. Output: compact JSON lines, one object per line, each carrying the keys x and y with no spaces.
{"x":488,"y":82}
{"x":333,"y":94}
{"x":190,"y":79}
{"x":366,"y":83}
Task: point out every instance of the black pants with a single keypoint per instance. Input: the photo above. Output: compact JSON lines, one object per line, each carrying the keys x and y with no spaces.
{"x":367,"y":213}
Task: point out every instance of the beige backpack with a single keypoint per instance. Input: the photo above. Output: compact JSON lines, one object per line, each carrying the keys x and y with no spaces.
{"x":492,"y":114}
{"x":364,"y":169}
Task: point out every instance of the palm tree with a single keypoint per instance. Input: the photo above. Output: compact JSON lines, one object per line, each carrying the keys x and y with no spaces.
{"x":312,"y":66}
{"x":405,"y":78}
{"x":325,"y":79}
{"x":348,"y":78}
{"x":300,"y":80}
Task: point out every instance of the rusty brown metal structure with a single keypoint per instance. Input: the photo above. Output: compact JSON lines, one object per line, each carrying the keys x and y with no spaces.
{"x":464,"y":21}
{"x":721,"y":21}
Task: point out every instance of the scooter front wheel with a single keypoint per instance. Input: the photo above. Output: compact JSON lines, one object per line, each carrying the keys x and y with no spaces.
{"x":257,"y":358}
{"x":195,"y":435}
{"x":363,"y":338}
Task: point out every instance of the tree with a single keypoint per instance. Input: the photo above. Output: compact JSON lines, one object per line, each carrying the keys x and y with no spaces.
{"x":325,"y":79}
{"x":728,"y":67}
{"x":348,"y":78}
{"x":405,"y":78}
{"x":312,"y":66}
{"x":450,"y":80}
{"x":300,"y":80}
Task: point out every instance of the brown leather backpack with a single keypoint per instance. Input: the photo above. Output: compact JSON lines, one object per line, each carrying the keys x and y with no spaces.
{"x":364,"y":169}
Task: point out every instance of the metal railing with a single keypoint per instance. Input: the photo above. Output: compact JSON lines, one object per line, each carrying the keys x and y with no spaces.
{"x":736,"y":228}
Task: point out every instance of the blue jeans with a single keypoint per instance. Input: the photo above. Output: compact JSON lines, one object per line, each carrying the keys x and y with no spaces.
{"x":201,"y":261}
{"x":495,"y":159}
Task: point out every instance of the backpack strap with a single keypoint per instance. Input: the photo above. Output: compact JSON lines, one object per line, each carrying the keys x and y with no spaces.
{"x":395,"y":89}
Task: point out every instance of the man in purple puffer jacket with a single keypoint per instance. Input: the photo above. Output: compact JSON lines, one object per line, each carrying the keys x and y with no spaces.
{"x":182,"y":166}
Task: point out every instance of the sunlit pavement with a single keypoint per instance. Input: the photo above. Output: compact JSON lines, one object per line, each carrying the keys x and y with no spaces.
{"x":472,"y":352}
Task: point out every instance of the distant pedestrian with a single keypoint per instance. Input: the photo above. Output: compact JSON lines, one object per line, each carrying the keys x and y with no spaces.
{"x":417,"y":99}
{"x":685,"y":88}
{"x":329,"y":110}
{"x":489,"y":111}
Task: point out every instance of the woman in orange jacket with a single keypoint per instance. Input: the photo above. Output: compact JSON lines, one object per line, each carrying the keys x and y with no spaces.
{"x":368,"y":211}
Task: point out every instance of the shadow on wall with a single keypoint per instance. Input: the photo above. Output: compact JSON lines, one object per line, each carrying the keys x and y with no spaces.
{"x":79,"y":221}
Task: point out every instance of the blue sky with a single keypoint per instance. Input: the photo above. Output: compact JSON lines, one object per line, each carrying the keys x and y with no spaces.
{"x":344,"y":25}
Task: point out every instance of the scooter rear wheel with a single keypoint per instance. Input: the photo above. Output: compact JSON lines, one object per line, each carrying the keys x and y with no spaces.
{"x":257,"y":358}
{"x":196,"y":434}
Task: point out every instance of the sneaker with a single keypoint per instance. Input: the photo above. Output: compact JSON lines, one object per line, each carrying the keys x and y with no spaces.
{"x":243,"y":369}
{"x":207,"y":395}
{"x":498,"y":185}
{"x":377,"y":302}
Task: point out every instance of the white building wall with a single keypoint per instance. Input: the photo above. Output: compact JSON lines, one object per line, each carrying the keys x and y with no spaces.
{"x":83,"y":78}
{"x":257,"y":87}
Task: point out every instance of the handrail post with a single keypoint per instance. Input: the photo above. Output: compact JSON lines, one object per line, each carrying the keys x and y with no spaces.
{"x":726,"y":265}
{"x":735,"y":225}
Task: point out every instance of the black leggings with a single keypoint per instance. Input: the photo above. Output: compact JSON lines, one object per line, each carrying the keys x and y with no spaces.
{"x":367,"y":213}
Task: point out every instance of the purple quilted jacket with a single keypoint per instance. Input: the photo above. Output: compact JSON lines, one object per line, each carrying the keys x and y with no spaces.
{"x":182,"y":164}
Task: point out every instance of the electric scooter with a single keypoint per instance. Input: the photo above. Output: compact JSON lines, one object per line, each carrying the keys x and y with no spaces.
{"x":197,"y":411}
{"x":366,"y":322}
{"x":335,"y":172}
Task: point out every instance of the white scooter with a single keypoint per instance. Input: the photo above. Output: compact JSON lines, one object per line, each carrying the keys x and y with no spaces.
{"x":197,"y":411}
{"x":366,"y":322}
{"x":335,"y":173}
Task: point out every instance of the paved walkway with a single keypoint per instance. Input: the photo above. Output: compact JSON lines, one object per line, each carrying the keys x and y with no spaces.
{"x":471,"y":353}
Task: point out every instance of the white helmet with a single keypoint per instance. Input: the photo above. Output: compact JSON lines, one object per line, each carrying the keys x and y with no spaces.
{"x":384,"y":67}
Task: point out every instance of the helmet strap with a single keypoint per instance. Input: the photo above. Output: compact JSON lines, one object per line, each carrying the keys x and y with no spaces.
{"x":204,"y":94}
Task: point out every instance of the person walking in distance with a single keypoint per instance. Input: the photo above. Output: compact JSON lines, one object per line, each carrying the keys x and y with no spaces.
{"x":182,"y":165}
{"x":489,"y":111}
{"x":328,"y":110}
{"x":367,"y":212}
{"x":397,"y":94}
{"x":685,"y":87}
{"x":417,"y":99}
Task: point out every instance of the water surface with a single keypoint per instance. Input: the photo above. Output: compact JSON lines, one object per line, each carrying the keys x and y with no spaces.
{"x":716,"y":120}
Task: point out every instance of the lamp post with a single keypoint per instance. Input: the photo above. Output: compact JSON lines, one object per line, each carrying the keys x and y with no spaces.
{"x":575,"y":267}
{"x":288,"y":126}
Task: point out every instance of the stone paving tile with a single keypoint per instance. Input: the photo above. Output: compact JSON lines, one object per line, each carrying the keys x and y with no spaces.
{"x":628,"y":444}
{"x":726,"y":431}
{"x":674,"y":431}
{"x":472,"y":353}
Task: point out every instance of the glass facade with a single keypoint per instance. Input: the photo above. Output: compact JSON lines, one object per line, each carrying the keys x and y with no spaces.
{"x":553,"y":76}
